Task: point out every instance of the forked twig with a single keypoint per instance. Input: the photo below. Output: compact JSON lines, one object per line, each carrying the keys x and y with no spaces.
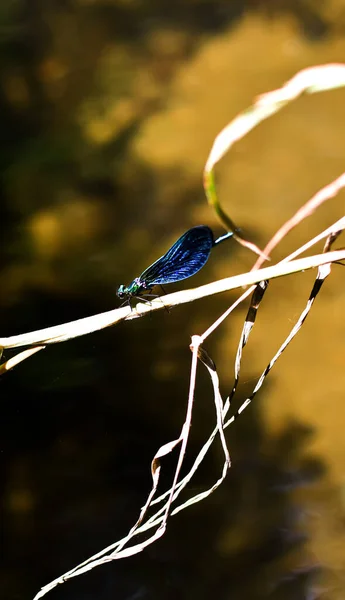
{"x":310,"y":81}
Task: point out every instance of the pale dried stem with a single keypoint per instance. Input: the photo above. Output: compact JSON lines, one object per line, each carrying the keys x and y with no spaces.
{"x":62,"y":333}
{"x":329,"y":191}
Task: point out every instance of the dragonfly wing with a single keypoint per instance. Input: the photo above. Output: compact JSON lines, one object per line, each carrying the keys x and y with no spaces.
{"x":185,"y":258}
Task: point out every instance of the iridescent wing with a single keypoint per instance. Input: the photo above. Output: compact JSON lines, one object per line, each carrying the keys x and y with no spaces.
{"x":185,"y":258}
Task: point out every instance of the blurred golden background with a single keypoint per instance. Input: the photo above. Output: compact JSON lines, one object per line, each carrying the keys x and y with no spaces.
{"x":108,"y":112}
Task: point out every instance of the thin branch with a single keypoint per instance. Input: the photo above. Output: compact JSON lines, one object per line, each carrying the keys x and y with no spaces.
{"x":311,"y":80}
{"x":67,"y":331}
{"x":18,"y":358}
{"x":337,"y":226}
{"x":326,"y":193}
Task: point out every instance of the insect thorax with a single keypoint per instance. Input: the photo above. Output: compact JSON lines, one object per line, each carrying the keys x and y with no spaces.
{"x":133,"y":289}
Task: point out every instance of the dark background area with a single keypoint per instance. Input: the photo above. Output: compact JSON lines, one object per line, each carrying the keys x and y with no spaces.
{"x":108,"y":110}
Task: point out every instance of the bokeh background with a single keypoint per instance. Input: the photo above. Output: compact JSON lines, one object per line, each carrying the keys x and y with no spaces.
{"x":108,"y":111}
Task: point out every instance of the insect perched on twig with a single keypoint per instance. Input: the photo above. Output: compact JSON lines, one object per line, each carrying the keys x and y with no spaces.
{"x":185,"y":258}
